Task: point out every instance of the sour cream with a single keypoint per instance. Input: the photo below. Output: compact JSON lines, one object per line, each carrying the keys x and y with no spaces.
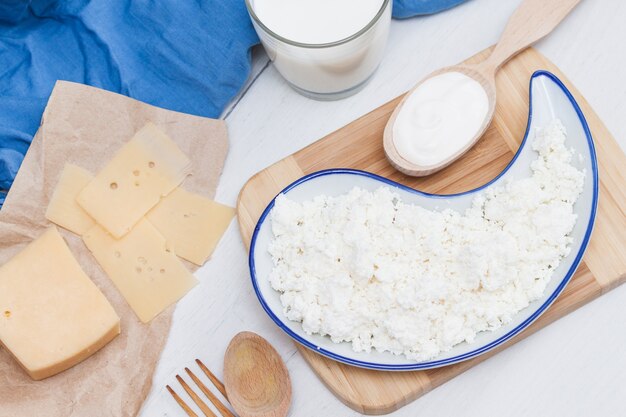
{"x":440,"y":118}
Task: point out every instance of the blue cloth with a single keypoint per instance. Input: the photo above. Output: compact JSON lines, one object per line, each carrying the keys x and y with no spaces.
{"x":183,"y":55}
{"x":409,"y":8}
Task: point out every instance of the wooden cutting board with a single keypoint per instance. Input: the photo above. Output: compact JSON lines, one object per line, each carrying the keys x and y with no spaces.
{"x":359,"y":145}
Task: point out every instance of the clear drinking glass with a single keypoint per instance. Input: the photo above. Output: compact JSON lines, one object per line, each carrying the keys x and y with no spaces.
{"x":328,"y":71}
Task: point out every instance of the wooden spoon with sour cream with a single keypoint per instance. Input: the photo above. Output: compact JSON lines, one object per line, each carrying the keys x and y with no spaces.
{"x":446,"y":113}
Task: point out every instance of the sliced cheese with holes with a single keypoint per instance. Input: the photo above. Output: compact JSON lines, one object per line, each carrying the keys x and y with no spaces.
{"x":147,"y":273}
{"x":63,"y":209}
{"x":52,"y":316}
{"x":145,"y":169}
{"x":191,"y":224}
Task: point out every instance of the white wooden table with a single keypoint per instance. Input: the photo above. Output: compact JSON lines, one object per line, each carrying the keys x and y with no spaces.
{"x":574,"y":367}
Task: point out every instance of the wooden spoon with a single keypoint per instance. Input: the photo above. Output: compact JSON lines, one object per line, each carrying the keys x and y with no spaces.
{"x":256,"y":378}
{"x":532,"y":20}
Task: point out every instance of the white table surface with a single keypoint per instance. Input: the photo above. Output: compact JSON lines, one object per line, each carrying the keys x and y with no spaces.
{"x":573,"y":367}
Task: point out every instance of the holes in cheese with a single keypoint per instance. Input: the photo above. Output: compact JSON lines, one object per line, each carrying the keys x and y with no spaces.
{"x":191,"y":224}
{"x":146,"y":168}
{"x":149,"y":277}
{"x":63,"y":209}
{"x":54,"y":316}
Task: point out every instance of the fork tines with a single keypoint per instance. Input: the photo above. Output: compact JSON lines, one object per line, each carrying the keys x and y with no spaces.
{"x":180,"y":402}
{"x":219,"y":405}
{"x":218,"y":384}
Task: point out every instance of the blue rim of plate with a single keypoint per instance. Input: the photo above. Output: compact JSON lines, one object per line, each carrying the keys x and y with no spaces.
{"x":481,"y":349}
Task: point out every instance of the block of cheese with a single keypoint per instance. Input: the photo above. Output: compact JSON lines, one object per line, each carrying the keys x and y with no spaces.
{"x":52,"y":316}
{"x":63,"y":209}
{"x":191,"y":224}
{"x":145,"y":169}
{"x":142,"y":267}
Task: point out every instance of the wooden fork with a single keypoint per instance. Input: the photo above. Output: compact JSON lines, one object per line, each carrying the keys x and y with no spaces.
{"x":223,"y":410}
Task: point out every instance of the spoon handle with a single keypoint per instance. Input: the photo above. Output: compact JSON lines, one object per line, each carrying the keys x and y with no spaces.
{"x":531,"y":21}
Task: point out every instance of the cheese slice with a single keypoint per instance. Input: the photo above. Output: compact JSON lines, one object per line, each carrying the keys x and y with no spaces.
{"x":147,"y":273}
{"x":145,"y":169}
{"x":52,"y":316}
{"x":63,"y":209}
{"x":191,"y":224}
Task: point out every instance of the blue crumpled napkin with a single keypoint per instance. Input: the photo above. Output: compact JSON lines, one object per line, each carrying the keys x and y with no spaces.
{"x":188,"y":56}
{"x":409,"y":8}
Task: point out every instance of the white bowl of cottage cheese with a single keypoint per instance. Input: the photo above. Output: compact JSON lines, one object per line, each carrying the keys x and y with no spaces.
{"x":370,"y":273}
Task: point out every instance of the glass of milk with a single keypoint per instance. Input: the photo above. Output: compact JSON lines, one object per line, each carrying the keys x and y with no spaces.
{"x":325,"y":49}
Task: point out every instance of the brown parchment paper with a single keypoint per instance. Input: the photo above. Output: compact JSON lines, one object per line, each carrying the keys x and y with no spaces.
{"x":86,"y":126}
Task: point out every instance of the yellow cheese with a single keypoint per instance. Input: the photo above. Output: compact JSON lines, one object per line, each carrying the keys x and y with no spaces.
{"x":63,"y":209}
{"x":51,"y":315}
{"x":147,"y":273}
{"x":145,"y":169}
{"x":191,"y":224}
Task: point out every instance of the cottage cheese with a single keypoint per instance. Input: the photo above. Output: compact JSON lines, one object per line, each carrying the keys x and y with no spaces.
{"x":369,"y":269}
